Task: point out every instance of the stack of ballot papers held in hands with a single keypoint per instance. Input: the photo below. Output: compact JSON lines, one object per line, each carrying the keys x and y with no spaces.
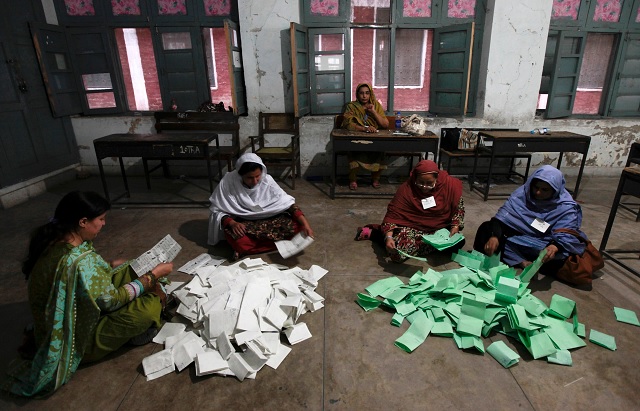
{"x":231,"y":319}
{"x":483,"y":296}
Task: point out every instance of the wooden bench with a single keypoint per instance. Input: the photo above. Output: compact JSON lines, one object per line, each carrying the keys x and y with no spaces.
{"x":223,"y":122}
{"x":449,"y":151}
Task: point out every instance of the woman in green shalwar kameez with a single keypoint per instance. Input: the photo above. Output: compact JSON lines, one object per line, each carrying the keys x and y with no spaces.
{"x":83,"y":307}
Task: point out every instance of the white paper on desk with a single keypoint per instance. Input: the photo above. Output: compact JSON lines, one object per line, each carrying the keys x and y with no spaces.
{"x":202,"y":260}
{"x":299,"y":242}
{"x":164,"y":252}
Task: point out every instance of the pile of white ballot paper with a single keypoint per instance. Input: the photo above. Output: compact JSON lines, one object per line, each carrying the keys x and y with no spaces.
{"x":233,"y":317}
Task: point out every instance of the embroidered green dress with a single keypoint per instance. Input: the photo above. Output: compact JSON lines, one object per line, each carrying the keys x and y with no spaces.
{"x":83,"y":309}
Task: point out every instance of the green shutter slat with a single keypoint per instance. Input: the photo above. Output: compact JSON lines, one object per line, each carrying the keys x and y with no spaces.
{"x":625,"y":99}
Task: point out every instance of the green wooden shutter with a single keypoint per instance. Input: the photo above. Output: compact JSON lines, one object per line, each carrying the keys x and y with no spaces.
{"x":236,"y":70}
{"x":330,"y":83}
{"x":54,"y":56}
{"x":300,"y":69}
{"x":625,"y":99}
{"x":450,"y":64}
{"x":566,"y":71}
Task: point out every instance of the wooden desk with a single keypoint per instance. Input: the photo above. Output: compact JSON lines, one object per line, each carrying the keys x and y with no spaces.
{"x":163,"y":147}
{"x":630,"y":185}
{"x":501,"y":142}
{"x":384,"y":140}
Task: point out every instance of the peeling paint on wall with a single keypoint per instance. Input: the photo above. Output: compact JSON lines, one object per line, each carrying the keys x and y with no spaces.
{"x":133,"y":127}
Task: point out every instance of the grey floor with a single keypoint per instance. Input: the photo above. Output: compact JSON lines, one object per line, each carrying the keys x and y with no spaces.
{"x":351,"y":362}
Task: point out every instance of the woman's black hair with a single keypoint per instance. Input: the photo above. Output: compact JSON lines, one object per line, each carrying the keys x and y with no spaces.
{"x":73,"y":207}
{"x":248,"y":167}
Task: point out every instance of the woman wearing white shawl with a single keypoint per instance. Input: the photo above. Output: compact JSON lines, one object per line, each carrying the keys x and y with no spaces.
{"x":251,"y":211}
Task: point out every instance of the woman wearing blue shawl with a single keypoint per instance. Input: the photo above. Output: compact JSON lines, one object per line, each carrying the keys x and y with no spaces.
{"x":527,"y":223}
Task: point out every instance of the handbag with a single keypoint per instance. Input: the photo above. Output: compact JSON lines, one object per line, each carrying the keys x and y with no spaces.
{"x":415,"y":125}
{"x":579,"y":269}
{"x":460,"y":139}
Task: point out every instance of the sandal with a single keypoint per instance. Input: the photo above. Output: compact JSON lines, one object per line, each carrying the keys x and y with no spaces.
{"x":376,"y":184}
{"x":353,"y":185}
{"x":363,"y":234}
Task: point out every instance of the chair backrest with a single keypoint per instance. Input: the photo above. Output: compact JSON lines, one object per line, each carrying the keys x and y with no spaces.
{"x":634,"y":154}
{"x":337,"y":122}
{"x":278,"y":123}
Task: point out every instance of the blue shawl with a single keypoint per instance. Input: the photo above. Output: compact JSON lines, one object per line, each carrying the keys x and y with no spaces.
{"x":560,"y":211}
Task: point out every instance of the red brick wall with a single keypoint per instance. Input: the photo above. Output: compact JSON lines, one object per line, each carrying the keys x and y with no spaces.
{"x":223,"y":93}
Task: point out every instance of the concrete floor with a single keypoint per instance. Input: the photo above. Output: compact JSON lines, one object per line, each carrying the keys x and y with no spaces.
{"x":351,"y":362}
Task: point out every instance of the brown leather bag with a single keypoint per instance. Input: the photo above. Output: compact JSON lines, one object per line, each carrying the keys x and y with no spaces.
{"x":579,"y":269}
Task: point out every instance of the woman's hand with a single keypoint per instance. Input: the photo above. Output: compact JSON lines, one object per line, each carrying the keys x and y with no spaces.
{"x":117,"y":262}
{"x":306,"y":227}
{"x":454,"y":230}
{"x":238,"y":229}
{"x":551,"y":252}
{"x":389,"y":244}
{"x":491,"y":246}
{"x":162,"y":270}
{"x":369,"y":129}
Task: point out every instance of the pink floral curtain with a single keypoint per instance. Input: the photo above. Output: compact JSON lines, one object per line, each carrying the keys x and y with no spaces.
{"x":217,"y":7}
{"x":416,"y":8}
{"x":79,"y":7}
{"x":172,"y":7}
{"x":325,"y":8}
{"x":608,"y":10}
{"x":563,"y":9}
{"x":460,"y":9}
{"x":125,"y":7}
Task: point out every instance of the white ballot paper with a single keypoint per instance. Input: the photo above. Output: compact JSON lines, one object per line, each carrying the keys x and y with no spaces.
{"x":299,"y":242}
{"x":203,"y":260}
{"x":165,"y":251}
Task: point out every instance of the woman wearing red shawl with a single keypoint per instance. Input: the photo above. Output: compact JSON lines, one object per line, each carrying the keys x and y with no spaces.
{"x":365,"y":114}
{"x":429,"y":200}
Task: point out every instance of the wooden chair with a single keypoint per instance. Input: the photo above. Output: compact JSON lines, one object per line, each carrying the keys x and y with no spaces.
{"x":270,"y":127}
{"x":633,"y":158}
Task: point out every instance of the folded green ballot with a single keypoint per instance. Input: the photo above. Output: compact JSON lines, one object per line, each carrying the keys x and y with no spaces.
{"x":417,"y":332}
{"x":602,"y":339}
{"x":503,"y":354}
{"x":440,"y":240}
{"x":562,"y":357}
{"x":626,"y":316}
{"x":368,"y":303}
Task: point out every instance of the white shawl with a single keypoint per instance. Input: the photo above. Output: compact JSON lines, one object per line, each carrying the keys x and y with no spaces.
{"x":231,"y":197}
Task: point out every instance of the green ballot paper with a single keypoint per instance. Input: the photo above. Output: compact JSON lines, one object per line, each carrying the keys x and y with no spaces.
{"x":503,"y":354}
{"x":626,"y":316}
{"x":441,"y":239}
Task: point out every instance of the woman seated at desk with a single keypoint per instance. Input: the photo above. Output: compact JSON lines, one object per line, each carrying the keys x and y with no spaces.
{"x":251,"y":211}
{"x":428,"y":201}
{"x":83,"y":307}
{"x":527,"y":222}
{"x":365,"y":114}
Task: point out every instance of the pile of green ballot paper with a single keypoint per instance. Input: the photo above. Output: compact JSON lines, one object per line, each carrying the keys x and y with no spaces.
{"x":482,"y":296}
{"x":441,"y":239}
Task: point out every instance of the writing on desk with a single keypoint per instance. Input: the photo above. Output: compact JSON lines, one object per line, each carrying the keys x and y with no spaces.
{"x":182,"y":115}
{"x":522,"y":145}
{"x":189,"y":149}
